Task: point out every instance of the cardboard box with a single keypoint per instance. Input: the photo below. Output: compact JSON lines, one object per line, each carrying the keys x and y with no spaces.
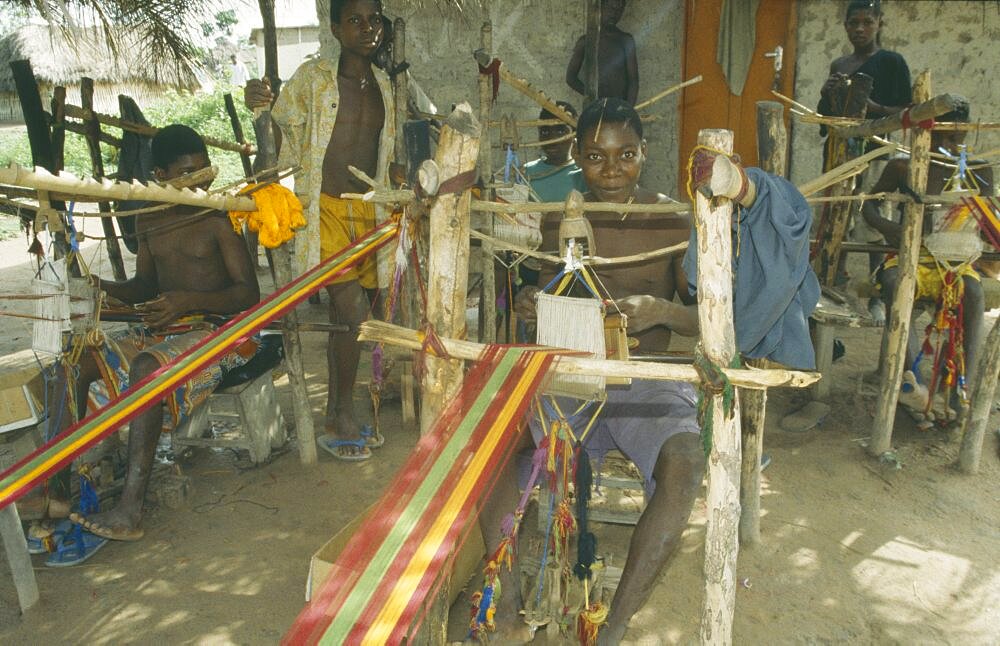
{"x":467,"y":561}
{"x":22,"y":391}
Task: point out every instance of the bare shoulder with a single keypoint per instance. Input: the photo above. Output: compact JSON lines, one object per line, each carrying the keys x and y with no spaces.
{"x":219,"y":224}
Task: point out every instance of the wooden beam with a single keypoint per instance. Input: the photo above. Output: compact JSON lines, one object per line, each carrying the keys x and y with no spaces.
{"x":281,"y":257}
{"x":984,"y":384}
{"x":850,"y":100}
{"x":16,"y":547}
{"x":928,"y":108}
{"x":36,"y":121}
{"x":234,"y":121}
{"x":591,"y":52}
{"x":77,"y":112}
{"x":58,"y":127}
{"x":250,"y":237}
{"x":488,"y":286}
{"x":93,"y":138}
{"x":527,"y":89}
{"x":65,"y":183}
{"x":81,"y":129}
{"x":898,"y":327}
{"x":448,"y":263}
{"x":382,"y":332}
{"x":718,"y":342}
{"x":772,"y":138}
{"x":772,"y":144}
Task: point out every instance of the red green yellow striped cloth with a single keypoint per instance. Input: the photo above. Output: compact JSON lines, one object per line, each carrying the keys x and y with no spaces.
{"x":45,"y":461}
{"x":379,"y":586}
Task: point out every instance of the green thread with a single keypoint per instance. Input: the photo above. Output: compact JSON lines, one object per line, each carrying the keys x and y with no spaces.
{"x":713,"y":382}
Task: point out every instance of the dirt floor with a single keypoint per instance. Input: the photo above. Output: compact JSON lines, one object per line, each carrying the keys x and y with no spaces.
{"x":852,"y":551}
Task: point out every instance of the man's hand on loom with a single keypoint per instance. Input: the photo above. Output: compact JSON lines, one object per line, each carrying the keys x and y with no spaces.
{"x":525,"y":303}
{"x":643,"y":312}
{"x":169,"y":307}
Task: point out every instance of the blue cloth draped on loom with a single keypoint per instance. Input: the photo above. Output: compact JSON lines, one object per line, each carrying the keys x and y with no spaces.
{"x":775,"y":289}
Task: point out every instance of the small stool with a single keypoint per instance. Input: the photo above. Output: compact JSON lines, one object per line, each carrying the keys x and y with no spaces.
{"x":261,"y":424}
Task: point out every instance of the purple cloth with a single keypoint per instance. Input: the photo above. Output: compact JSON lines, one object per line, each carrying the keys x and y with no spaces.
{"x":636,"y":420}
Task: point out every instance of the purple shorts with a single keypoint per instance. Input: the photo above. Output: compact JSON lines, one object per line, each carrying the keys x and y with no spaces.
{"x":636,"y":420}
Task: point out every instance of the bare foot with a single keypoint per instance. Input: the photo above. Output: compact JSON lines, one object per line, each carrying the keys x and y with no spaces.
{"x":115,"y":524}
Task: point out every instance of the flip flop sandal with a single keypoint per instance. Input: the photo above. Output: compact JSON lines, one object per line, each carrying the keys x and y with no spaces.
{"x":38,"y":544}
{"x":372,"y":438}
{"x":77,"y":546}
{"x":331,"y":446}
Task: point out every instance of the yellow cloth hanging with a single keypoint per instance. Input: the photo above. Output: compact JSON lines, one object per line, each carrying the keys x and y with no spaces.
{"x":278,"y":214}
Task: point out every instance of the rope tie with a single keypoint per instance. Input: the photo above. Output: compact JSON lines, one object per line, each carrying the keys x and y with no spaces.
{"x":908,"y":123}
{"x":714,"y":382}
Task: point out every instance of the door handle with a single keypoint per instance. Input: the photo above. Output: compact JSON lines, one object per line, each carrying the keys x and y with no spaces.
{"x":778,"y":54}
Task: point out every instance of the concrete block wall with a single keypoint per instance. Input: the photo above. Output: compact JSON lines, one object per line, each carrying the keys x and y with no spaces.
{"x":956,"y":40}
{"x":535,"y":39}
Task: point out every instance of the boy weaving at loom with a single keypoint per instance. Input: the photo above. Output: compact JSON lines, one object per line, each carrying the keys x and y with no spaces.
{"x":652,"y":423}
{"x":330,"y":115}
{"x":968,"y":215}
{"x":187,"y":263}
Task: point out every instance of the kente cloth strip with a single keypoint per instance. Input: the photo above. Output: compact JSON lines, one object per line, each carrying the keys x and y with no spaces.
{"x":378,"y":589}
{"x":47,"y":460}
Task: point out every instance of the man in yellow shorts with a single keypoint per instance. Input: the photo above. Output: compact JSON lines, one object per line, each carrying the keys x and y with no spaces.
{"x":930,"y":282}
{"x":335,"y":113}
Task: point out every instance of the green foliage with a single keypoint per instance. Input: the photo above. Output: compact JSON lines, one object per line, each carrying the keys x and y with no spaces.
{"x":206,"y":113}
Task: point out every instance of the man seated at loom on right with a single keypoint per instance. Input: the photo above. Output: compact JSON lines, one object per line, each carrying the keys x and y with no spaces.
{"x":654,"y":423}
{"x":188,"y":264}
{"x":930,"y":285}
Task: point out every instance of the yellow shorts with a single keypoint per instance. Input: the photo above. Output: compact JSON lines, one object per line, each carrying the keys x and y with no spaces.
{"x":341,"y":222}
{"x":930,"y":282}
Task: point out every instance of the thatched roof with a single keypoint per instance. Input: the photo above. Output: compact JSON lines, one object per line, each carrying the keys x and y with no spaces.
{"x":61,"y":58}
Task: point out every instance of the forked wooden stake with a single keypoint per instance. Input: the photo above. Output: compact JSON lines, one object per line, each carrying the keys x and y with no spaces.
{"x":718,"y":341}
{"x":448,"y":263}
{"x":898,"y":326}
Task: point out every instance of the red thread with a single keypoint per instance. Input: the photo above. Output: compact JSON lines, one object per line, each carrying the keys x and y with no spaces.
{"x":493,"y":70}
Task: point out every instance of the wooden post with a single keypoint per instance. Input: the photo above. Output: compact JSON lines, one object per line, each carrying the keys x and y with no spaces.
{"x":718,"y":341}
{"x":17,"y":557}
{"x":772,"y":144}
{"x":772,"y":138}
{"x":983,"y":389}
{"x":591,"y":51}
{"x":400,"y":87}
{"x":58,"y":127}
{"x":898,"y":327}
{"x":488,"y":290}
{"x":97,"y":169}
{"x":251,"y":237}
{"x":135,"y":161}
{"x":39,"y":139}
{"x":234,"y":121}
{"x":448,"y":265}
{"x":850,"y":100}
{"x":267,"y":157}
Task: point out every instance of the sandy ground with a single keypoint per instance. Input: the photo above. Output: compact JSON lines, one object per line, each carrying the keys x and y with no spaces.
{"x":852,"y":552}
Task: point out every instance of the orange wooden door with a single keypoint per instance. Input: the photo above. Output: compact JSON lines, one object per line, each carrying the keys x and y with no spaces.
{"x":711,"y":104}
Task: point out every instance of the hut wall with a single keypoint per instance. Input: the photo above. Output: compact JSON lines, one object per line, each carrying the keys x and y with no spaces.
{"x":105,"y":98}
{"x":955,"y":40}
